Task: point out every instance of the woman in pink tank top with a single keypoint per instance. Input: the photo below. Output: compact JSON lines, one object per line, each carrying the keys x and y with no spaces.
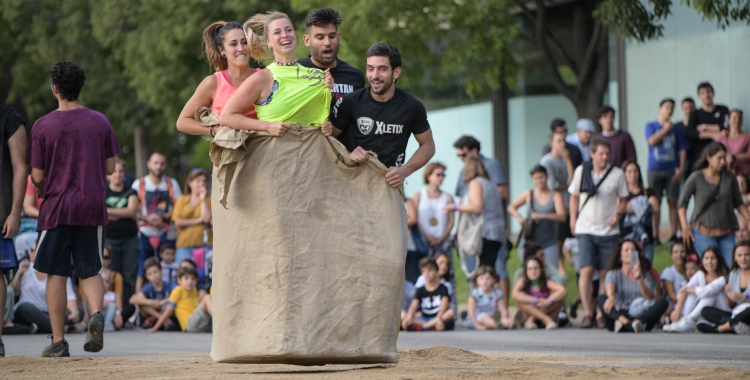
{"x":226,"y":48}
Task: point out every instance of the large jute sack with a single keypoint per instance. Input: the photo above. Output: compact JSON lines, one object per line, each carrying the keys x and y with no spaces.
{"x":308,"y":253}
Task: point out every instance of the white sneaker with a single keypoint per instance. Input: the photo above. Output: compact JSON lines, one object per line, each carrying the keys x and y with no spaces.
{"x":684,"y":325}
{"x":637,"y":325}
{"x":668,"y":327}
{"x":530,"y":326}
{"x":551,"y":326}
{"x":618,"y":326}
{"x":741,"y":328}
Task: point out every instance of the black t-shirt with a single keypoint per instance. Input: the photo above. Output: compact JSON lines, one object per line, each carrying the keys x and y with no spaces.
{"x":381,"y":127}
{"x":430,"y":302}
{"x":346,"y":78}
{"x":123,"y":228}
{"x":10,"y":121}
{"x":720,"y":116}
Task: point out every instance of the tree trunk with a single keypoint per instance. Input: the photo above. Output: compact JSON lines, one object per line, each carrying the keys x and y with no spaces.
{"x":142,"y":145}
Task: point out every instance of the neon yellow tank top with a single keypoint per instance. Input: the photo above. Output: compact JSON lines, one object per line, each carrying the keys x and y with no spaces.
{"x":299,"y":97}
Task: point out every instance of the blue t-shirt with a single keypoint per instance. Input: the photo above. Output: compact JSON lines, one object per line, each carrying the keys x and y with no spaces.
{"x":665,"y":156}
{"x":151,"y":293}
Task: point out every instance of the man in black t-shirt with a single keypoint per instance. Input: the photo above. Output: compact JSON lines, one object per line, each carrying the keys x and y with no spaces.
{"x":380,"y":118}
{"x":705,"y":124}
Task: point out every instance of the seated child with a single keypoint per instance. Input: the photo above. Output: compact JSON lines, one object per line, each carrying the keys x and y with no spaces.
{"x":538,"y":299}
{"x":194,"y":315}
{"x":168,"y":264}
{"x":152,"y":299}
{"x":202,"y":291}
{"x":484,"y":299}
{"x":430,"y":309}
{"x":446,"y":278}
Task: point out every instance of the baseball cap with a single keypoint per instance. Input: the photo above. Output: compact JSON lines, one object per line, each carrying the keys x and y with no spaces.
{"x":585,"y":124}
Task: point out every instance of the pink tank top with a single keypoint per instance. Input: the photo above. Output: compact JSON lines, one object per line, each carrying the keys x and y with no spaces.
{"x":225,"y":90}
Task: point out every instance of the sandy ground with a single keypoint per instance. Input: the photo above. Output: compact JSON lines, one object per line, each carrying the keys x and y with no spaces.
{"x":430,"y":363}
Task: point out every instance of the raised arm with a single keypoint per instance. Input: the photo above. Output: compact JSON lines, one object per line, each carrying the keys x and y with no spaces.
{"x":203,"y":96}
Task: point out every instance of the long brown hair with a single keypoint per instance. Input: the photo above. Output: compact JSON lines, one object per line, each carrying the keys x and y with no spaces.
{"x":473,"y":168}
{"x":213,"y":42}
{"x":624,"y":168}
{"x":542,"y":276}
{"x":195,"y":173}
{"x":741,"y":243}
{"x":721,"y":266}
{"x":709,"y":151}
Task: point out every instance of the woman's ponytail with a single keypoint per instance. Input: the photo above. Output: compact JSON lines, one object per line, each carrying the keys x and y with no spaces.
{"x":211,"y":48}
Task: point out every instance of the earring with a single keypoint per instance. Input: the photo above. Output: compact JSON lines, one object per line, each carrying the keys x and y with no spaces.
{"x":223,"y":56}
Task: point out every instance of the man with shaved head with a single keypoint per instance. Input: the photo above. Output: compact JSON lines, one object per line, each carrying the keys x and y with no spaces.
{"x":157,"y":194}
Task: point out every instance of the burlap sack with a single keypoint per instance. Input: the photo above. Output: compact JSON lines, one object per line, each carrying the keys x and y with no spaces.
{"x":308,"y":255}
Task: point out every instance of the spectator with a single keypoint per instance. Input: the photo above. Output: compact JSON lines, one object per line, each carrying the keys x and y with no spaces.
{"x":538,"y":298}
{"x":622,"y":146}
{"x":560,"y":172}
{"x":573,"y":255}
{"x":667,"y":154}
{"x":153,"y":297}
{"x":641,"y":212}
{"x":69,"y":167}
{"x":596,"y":226}
{"x":194,"y":315}
{"x":737,"y":293}
{"x":13,"y":170}
{"x":156,"y":208}
{"x":731,"y":165}
{"x":201,"y":284}
{"x":467,"y":147}
{"x":483,"y":199}
{"x":112,"y":308}
{"x":484,"y":299}
{"x":737,"y":142}
{"x":192,"y":215}
{"x":31,"y":308}
{"x":687,"y":106}
{"x":435,"y":225}
{"x":547,"y":210}
{"x":691,"y":266}
{"x":559,"y":126}
{"x":743,"y":233}
{"x":582,"y":138}
{"x":717,"y":195}
{"x":532,"y":249}
{"x":446,"y":278}
{"x":122,"y":233}
{"x":169,"y":265}
{"x":705,"y":124}
{"x":430,"y":309}
{"x":674,"y":277}
{"x":629,"y":304}
{"x":705,"y":289}
{"x":27,"y":234}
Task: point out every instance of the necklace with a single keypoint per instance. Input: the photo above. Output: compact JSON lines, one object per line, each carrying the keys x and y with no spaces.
{"x":433,"y":207}
{"x":285,"y":64}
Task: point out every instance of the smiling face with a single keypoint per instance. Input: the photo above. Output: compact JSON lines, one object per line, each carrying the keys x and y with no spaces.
{"x":742,"y":257}
{"x":540,"y":180}
{"x":710,"y":262}
{"x":280,"y":37}
{"x":627,"y":247}
{"x":706,"y":96}
{"x":533,"y":270}
{"x":486,"y":282}
{"x":235,"y":48}
{"x":678,"y":254}
{"x":443,"y":265}
{"x":118,"y":176}
{"x":324,"y":43}
{"x":380,"y":74}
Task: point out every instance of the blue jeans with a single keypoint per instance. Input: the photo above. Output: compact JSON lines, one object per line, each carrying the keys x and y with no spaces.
{"x":147,"y":250}
{"x":184,"y":253}
{"x":649,"y":248}
{"x":724,"y":243}
{"x":500,"y":267}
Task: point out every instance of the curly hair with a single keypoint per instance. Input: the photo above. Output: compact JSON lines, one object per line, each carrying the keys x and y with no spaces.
{"x":68,"y":78}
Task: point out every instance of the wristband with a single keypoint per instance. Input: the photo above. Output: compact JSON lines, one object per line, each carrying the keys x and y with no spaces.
{"x":551,"y":299}
{"x":455,"y":207}
{"x":533,"y":303}
{"x":211,"y":130}
{"x":748,"y":297}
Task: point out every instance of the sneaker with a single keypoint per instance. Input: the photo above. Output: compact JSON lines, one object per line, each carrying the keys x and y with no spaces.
{"x":618,"y":326}
{"x":95,"y":337}
{"x":588,"y":322}
{"x":2,"y":349}
{"x":562,"y":318}
{"x":149,"y":322}
{"x":530,"y":326}
{"x":551,"y":326}
{"x":76,"y":328}
{"x":171,"y":326}
{"x":465,"y":315}
{"x":668,"y":327}
{"x":741,"y":328}
{"x":56,"y":350}
{"x":637,"y":326}
{"x":20,"y":329}
{"x":706,"y":327}
{"x":574,"y":307}
{"x":684,"y":325}
{"x":518,"y":320}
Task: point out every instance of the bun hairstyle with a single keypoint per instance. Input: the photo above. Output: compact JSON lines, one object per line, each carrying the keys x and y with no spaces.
{"x":258,"y":24}
{"x":213,"y":41}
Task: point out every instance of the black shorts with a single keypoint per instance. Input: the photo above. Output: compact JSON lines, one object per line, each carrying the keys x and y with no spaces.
{"x":64,"y":248}
{"x":563,"y":229}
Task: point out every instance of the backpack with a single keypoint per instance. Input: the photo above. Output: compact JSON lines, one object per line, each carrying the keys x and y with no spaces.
{"x":142,"y":189}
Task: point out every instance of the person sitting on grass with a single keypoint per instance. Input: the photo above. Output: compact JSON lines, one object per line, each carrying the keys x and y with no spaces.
{"x":629,"y":303}
{"x":446,"y":278}
{"x":673,"y":278}
{"x":538,"y":298}
{"x":737,"y":293}
{"x":430,"y":310}
{"x":193,"y":315}
{"x":169,"y":266}
{"x":154,"y":296}
{"x":705,"y":289}
{"x":550,"y":271}
{"x":484,"y":299}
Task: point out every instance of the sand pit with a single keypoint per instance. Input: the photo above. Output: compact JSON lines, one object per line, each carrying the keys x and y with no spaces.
{"x":430,"y":363}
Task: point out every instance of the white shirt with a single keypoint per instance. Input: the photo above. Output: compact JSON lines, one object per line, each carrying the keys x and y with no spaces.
{"x":34,"y":290}
{"x":678,"y":280}
{"x":593,"y":219}
{"x":149,"y":230}
{"x":429,"y":208}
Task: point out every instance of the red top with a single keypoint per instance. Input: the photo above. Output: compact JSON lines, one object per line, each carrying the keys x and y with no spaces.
{"x":224,"y":91}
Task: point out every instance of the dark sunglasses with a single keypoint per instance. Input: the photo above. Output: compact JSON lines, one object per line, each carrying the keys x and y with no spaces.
{"x":105,"y":257}
{"x":440,"y":174}
{"x":462,"y":155}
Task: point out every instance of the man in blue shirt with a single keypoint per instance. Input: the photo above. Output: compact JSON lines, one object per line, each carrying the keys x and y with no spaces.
{"x":582,"y":137}
{"x":667,"y":152}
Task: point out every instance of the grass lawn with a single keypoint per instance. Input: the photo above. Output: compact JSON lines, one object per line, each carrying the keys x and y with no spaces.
{"x":662,"y":259}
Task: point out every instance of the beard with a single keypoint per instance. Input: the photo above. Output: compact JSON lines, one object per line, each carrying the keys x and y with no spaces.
{"x":318,"y":55}
{"x":386,"y":85}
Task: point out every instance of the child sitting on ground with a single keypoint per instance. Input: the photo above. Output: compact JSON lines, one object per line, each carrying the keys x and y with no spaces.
{"x":539,"y":299}
{"x":446,"y":278}
{"x":168,"y":265}
{"x":484,"y":299}
{"x":430,"y":309}
{"x":193,"y":315}
{"x":154,"y":296}
{"x":201,"y":285}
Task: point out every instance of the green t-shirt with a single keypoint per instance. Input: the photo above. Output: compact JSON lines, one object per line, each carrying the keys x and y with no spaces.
{"x":299,"y":96}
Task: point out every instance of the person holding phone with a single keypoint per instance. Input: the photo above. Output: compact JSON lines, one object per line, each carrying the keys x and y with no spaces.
{"x":629,"y":304}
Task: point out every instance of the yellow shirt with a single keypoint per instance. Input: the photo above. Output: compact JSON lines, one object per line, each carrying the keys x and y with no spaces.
{"x":190,"y":236}
{"x":184,"y":303}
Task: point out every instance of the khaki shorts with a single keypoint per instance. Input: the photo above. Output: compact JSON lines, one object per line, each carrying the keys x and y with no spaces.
{"x":199,"y":322}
